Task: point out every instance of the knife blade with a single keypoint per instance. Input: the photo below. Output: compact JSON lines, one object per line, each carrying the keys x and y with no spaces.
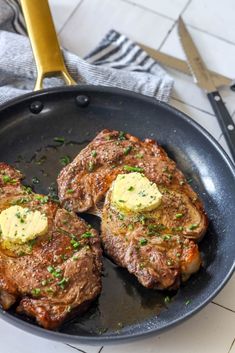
{"x":204,"y":80}
{"x":195,"y":62}
{"x":182,"y":66}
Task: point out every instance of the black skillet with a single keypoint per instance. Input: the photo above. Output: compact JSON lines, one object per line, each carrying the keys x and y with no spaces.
{"x":28,"y":127}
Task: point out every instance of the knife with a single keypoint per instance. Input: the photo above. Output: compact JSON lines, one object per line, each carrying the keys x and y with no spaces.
{"x":203,"y":78}
{"x":182,"y":66}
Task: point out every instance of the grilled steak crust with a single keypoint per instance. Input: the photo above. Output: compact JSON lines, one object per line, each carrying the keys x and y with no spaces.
{"x":58,"y":274}
{"x":158,"y":256}
{"x":84,"y":183}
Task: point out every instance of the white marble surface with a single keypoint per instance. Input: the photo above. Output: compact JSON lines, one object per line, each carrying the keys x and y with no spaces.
{"x":81,"y":24}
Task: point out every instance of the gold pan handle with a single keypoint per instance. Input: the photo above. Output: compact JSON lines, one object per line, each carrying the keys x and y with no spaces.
{"x":43,"y":38}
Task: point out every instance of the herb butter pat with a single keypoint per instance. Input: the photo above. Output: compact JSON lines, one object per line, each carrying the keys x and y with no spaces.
{"x":134,"y":192}
{"x":19,"y":225}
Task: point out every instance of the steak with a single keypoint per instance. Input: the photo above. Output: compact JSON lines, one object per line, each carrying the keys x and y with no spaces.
{"x":160,"y":257}
{"x":169,"y":252}
{"x":58,"y":274}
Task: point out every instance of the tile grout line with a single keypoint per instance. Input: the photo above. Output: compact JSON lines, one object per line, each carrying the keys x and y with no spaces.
{"x":193,"y":106}
{"x":148,"y":9}
{"x":224,"y":307}
{"x":210,"y":34}
{"x":70,"y":16}
{"x":174,"y":24}
{"x":167,"y":35}
{"x":77,"y":349}
{"x":181,"y":13}
{"x":81,"y":350}
{"x":231,"y":346}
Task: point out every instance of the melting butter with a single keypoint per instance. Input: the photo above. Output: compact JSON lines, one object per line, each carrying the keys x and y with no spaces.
{"x":18,"y":225}
{"x":134,"y":192}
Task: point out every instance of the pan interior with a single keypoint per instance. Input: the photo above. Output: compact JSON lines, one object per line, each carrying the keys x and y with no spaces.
{"x":37,"y":145}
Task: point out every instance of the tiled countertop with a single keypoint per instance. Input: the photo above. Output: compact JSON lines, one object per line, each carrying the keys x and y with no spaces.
{"x":81,"y":24}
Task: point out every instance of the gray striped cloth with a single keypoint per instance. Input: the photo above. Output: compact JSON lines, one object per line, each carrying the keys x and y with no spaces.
{"x":116,"y":61}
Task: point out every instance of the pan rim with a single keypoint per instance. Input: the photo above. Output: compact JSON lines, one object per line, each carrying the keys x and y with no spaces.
{"x":65,"y":337}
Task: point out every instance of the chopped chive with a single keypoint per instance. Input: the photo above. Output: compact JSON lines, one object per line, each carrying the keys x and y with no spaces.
{"x":36,"y":291}
{"x":131,"y":188}
{"x":59,"y":139}
{"x":63,"y":282}
{"x":122,"y":201}
{"x":121,"y":136}
{"x":187,"y":302}
{"x":130,"y":227}
{"x":93,"y":153}
{"x":50,"y":269}
{"x":75,"y":244}
{"x":69,"y":191}
{"x":121,"y":216}
{"x":143,"y":242}
{"x":65,"y":160}
{"x":42,"y":199}
{"x":167,"y":299}
{"x":91,"y":166}
{"x":179,"y":215}
{"x":49,"y":290}
{"x":64,"y":257}
{"x":129,"y":168}
{"x":87,"y":235}
{"x":139,"y":155}
{"x":27,"y":189}
{"x":127,"y":150}
{"x":7,"y":179}
{"x":193,"y":226}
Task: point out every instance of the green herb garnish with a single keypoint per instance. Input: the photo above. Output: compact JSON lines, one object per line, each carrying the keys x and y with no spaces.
{"x":36,"y":291}
{"x":59,"y":139}
{"x":8,"y":180}
{"x":127,"y":150}
{"x":167,"y":299}
{"x":91,"y":166}
{"x":70,"y":191}
{"x":87,"y":235}
{"x":129,"y":168}
{"x":63,"y":282}
{"x":121,"y":136}
{"x":179,"y":215}
{"x":65,"y":160}
{"x":75,"y":244}
{"x":193,"y":226}
{"x":143,"y":242}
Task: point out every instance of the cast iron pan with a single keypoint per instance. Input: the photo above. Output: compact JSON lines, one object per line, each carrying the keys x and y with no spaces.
{"x":28,"y":126}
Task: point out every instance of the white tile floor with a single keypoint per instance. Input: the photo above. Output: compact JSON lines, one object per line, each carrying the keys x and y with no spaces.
{"x":81,"y":24}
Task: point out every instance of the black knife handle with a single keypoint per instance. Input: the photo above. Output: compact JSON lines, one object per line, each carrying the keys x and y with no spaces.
{"x":225,"y":120}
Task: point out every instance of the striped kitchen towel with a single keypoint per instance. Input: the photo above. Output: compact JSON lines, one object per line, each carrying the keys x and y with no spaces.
{"x":117,"y":61}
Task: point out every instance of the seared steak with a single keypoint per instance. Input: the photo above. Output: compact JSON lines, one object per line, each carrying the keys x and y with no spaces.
{"x":58,"y":274}
{"x":156,"y":246}
{"x":84,"y":183}
{"x":160,"y":257}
